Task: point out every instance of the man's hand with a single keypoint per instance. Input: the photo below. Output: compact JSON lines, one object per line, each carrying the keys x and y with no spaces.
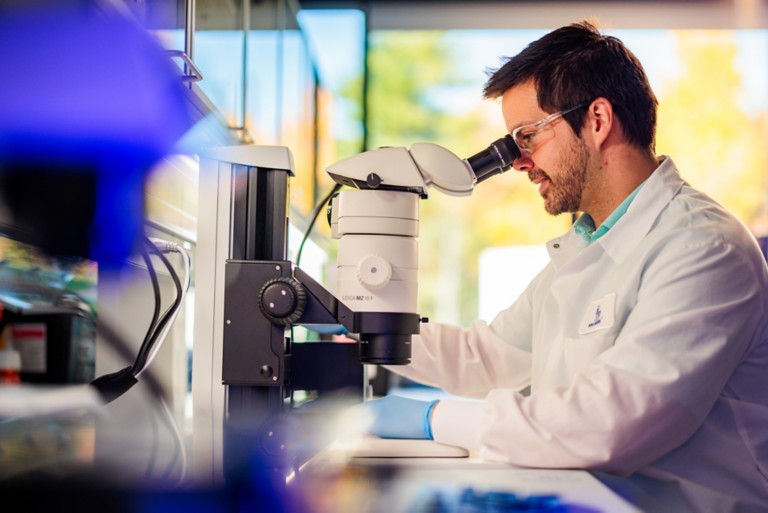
{"x":399,"y":417}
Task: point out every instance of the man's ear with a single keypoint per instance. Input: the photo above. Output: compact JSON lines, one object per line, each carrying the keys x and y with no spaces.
{"x":600,"y":122}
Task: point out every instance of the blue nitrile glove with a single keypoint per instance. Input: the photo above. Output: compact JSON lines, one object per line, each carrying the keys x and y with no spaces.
{"x":399,"y":417}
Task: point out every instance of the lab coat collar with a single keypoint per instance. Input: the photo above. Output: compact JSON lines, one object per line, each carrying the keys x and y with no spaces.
{"x":633,"y":226}
{"x":565,"y":247}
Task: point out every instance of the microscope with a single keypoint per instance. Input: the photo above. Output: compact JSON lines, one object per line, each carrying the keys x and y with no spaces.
{"x":376,"y":221}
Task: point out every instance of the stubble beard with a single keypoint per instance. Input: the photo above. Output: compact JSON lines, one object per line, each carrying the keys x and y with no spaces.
{"x":564,"y":193}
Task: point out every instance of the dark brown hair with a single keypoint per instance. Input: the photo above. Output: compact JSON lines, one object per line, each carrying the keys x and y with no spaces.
{"x":576,"y":64}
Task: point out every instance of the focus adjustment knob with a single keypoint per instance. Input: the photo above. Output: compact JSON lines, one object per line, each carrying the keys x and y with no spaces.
{"x":374,"y":272}
{"x":373,"y":180}
{"x":282,"y":300}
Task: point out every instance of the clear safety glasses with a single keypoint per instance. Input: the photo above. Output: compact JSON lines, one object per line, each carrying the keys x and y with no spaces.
{"x":529,"y":137}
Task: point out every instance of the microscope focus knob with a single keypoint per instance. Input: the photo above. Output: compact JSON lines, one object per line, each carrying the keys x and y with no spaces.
{"x":282,"y":300}
{"x":374,"y":272}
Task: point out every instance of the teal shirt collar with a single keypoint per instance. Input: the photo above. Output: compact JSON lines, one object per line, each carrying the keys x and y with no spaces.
{"x":585,"y":225}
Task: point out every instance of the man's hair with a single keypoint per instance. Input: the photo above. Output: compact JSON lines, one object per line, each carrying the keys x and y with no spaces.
{"x":576,"y":64}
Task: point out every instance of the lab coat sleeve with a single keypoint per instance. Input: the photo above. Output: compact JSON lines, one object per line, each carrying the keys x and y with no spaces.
{"x":697,"y":312}
{"x":472,"y":361}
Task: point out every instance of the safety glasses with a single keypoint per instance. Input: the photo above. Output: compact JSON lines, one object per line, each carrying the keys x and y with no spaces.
{"x":529,"y":137}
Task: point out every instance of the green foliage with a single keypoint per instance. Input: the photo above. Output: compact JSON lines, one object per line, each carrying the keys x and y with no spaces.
{"x":405,"y":67}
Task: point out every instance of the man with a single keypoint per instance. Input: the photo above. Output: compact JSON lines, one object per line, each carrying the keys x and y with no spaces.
{"x":640,"y":350}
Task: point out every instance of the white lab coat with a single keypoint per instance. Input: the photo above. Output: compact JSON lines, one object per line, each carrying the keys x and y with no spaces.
{"x":645,"y":353}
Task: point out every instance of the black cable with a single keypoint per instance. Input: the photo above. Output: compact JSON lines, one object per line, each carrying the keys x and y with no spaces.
{"x":315,"y":214}
{"x":146,"y":344}
{"x":111,"y":386}
{"x":179,"y":292}
{"x":146,"y":349}
{"x":156,"y":292}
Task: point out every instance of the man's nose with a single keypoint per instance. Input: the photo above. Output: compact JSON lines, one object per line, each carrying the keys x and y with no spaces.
{"x":523,"y":164}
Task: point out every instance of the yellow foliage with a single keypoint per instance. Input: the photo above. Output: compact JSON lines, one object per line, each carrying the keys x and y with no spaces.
{"x":718,"y":147}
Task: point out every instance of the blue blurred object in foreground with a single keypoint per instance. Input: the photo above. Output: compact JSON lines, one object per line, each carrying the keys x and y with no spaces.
{"x":88,"y":103}
{"x":469,"y":500}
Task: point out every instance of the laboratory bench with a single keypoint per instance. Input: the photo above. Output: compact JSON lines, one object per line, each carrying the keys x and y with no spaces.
{"x":339,"y":481}
{"x":56,"y":458}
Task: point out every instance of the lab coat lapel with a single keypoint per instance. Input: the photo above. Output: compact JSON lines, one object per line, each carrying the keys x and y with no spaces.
{"x":634,"y":225}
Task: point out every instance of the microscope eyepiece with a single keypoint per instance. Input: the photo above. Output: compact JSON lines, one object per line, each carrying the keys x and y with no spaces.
{"x":496,"y":158}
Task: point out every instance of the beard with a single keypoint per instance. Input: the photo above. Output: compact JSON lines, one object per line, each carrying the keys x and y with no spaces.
{"x":566,"y":188}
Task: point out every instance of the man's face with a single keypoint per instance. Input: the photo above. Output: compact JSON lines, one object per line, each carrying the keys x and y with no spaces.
{"x":559,"y":165}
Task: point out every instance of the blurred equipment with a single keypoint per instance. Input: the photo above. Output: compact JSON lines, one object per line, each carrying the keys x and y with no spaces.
{"x":88,"y":102}
{"x":10,"y":358}
{"x":55,"y":344}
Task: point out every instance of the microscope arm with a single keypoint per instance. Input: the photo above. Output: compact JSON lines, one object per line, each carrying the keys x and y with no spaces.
{"x":300,"y":300}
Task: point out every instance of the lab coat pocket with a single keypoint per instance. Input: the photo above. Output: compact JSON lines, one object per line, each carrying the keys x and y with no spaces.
{"x":579,"y":352}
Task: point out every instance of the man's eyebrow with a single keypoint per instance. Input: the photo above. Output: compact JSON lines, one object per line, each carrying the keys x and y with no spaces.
{"x":519,"y":124}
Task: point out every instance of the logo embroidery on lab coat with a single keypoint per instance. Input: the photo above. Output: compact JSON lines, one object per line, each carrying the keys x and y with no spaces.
{"x":599,"y":314}
{"x":598,"y":318}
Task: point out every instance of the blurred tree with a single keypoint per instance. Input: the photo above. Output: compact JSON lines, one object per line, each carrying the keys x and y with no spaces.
{"x":718,"y":146}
